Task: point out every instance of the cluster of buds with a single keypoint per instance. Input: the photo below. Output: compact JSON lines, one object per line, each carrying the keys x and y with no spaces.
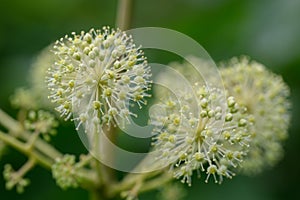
{"x":41,"y":122}
{"x":14,"y":179}
{"x":64,"y":172}
{"x":23,"y":99}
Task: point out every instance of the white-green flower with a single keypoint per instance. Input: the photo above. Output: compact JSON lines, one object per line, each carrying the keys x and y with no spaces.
{"x":265,"y":95}
{"x":213,"y":140}
{"x":35,"y":96}
{"x":173,"y":191}
{"x":38,"y":71}
{"x":64,"y":171}
{"x":14,"y":179}
{"x":24,"y":99}
{"x":41,"y":122}
{"x":97,"y":74}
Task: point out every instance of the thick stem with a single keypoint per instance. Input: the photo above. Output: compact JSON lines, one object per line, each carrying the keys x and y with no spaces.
{"x":96,"y":152}
{"x":106,"y":175}
{"x":156,"y":183}
{"x":124,"y":14}
{"x":12,"y":125}
{"x":88,"y":179}
{"x":110,"y":133}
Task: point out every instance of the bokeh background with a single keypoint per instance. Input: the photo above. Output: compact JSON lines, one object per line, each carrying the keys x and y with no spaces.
{"x":266,"y":30}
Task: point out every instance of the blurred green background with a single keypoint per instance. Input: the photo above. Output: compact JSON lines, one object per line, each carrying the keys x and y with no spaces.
{"x":266,"y":30}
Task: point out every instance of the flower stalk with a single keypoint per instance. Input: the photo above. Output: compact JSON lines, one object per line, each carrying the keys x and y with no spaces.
{"x":124,"y":14}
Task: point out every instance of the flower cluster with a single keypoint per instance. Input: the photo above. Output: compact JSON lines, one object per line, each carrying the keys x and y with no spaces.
{"x":172,"y":191}
{"x":38,"y":72}
{"x":213,"y":140}
{"x":265,"y":95}
{"x":14,"y":180}
{"x":188,"y":70}
{"x":64,"y":170}
{"x":97,"y":75}
{"x":23,"y":99}
{"x":35,"y":96}
{"x":41,"y":122}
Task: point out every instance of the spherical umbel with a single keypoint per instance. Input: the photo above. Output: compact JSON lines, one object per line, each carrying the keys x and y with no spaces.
{"x":214,"y":140}
{"x":98,"y":74}
{"x":266,"y":97}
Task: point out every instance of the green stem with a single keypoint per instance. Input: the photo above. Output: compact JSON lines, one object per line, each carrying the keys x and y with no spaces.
{"x":96,"y":195}
{"x":42,"y":152}
{"x":130,"y":181}
{"x":88,"y":179}
{"x":139,"y":183}
{"x":10,"y":123}
{"x":124,"y":14}
{"x":85,"y":161}
{"x":24,"y":169}
{"x":95,"y":150}
{"x":32,"y":140}
{"x":106,"y":175}
{"x":110,"y":133}
{"x":156,"y":183}
{"x":44,"y":161}
{"x":16,"y":129}
{"x":45,"y":148}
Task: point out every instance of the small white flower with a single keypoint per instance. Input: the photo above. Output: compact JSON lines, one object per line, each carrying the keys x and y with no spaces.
{"x":97,"y":74}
